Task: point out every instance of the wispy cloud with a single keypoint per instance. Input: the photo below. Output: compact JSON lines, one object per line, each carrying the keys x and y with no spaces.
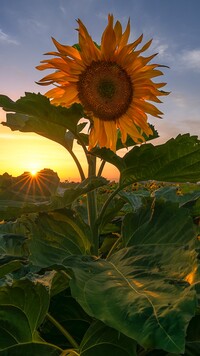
{"x":7,"y":39}
{"x":32,"y":25}
{"x":181,"y":60}
{"x":63,"y":9}
{"x":191,"y":59}
{"x":161,"y":48}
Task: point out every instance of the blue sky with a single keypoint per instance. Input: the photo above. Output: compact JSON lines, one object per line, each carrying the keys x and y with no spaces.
{"x":26,"y":28}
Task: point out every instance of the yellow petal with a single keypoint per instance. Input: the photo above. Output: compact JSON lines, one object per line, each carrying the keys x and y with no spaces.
{"x":108,"y":40}
{"x":125,"y":35}
{"x":111,"y":133}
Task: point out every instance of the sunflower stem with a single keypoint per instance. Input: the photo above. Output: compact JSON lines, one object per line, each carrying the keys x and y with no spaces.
{"x":92,"y":206}
{"x":63,"y":331}
{"x":106,"y":204}
{"x":116,"y":243}
{"x":101,"y":168}
{"x":80,"y":169}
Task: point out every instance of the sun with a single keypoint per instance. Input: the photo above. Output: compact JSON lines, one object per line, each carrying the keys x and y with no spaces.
{"x":33,"y":169}
{"x":33,"y":172}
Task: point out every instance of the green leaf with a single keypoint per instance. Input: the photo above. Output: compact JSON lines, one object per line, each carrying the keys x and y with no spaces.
{"x":59,"y":282}
{"x":23,"y":308}
{"x":11,"y":243}
{"x":12,"y":252}
{"x":25,"y":123}
{"x":178,"y":160}
{"x":130,"y":142}
{"x":32,"y":349}
{"x":35,"y":113}
{"x":38,"y":105}
{"x":101,"y":340}
{"x":10,"y":209}
{"x":158,"y":223}
{"x":112,"y":213}
{"x":84,"y":187}
{"x":10,"y":266}
{"x":141,"y":291}
{"x":193,"y":337}
{"x":69,"y":136}
{"x":109,"y":156}
{"x":56,"y":235}
{"x":135,"y":199}
{"x":51,"y":237}
{"x":170,"y":193}
{"x":14,"y":327}
{"x":192,"y":348}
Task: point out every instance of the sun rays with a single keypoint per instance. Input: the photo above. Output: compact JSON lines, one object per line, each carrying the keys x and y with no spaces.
{"x":35,"y":184}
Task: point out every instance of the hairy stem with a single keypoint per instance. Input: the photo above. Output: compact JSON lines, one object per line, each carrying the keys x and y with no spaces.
{"x":92,"y":206}
{"x":80,"y":169}
{"x":63,"y":331}
{"x":106,"y":204}
{"x":114,"y":246}
{"x":101,"y":168}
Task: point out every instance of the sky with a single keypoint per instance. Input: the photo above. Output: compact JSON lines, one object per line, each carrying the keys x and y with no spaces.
{"x":26,"y":28}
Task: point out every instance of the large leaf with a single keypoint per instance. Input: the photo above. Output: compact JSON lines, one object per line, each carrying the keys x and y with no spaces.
{"x":23,"y":308}
{"x":101,"y":340}
{"x":193,"y":337}
{"x":32,"y":349}
{"x":141,"y":291}
{"x":55,"y":236}
{"x":51,"y":237}
{"x":35,"y":113}
{"x":11,"y":243}
{"x":39,"y":106}
{"x":158,"y":223}
{"x":10,"y":209}
{"x":178,"y":160}
{"x":170,"y":193}
{"x":12,"y":251}
{"x":10,"y":264}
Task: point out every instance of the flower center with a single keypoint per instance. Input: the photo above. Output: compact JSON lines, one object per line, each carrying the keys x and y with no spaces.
{"x":105,"y":89}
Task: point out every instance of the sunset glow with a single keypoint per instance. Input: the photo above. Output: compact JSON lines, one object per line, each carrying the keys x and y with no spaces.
{"x":28,"y":152}
{"x":33,"y":172}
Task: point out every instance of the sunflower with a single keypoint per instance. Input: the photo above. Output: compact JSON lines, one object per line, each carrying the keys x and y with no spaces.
{"x":113,"y":82}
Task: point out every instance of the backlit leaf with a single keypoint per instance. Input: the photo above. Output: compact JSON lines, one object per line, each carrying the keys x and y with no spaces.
{"x":141,"y":291}
{"x":24,"y":305}
{"x":35,"y":113}
{"x":178,"y":160}
{"x":32,"y":349}
{"x":101,"y":340}
{"x":158,"y":223}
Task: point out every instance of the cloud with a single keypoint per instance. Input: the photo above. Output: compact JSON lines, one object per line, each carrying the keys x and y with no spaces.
{"x":32,"y":25}
{"x":191,"y":59}
{"x":63,"y":10}
{"x":163,"y":49}
{"x":7,"y":39}
{"x":180,"y":100}
{"x":160,"y":47}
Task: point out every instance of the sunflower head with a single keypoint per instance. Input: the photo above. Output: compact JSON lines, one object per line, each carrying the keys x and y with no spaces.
{"x":113,"y":82}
